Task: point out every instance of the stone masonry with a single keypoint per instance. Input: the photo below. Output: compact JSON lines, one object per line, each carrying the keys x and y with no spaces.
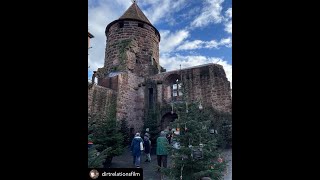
{"x":133,"y":74}
{"x":206,"y":84}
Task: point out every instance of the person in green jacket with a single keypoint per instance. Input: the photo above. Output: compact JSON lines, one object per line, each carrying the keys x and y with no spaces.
{"x":162,"y":151}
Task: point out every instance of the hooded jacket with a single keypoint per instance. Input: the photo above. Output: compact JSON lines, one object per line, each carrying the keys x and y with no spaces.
{"x":135,"y":146}
{"x":162,"y":144}
{"x":146,"y":144}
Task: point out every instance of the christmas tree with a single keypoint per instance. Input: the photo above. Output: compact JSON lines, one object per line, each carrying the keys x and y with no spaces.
{"x":198,"y":154}
{"x":151,"y":122}
{"x":125,"y":133}
{"x":106,"y":132}
{"x":95,"y":159}
{"x":225,"y":130}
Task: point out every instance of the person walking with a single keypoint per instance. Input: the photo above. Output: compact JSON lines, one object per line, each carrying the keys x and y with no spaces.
{"x":147,"y":147}
{"x":147,"y":133}
{"x":136,"y":148}
{"x":162,"y":151}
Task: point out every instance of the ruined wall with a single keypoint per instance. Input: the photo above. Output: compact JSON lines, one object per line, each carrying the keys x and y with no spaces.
{"x":207,"y":83}
{"x":109,"y":82}
{"x":132,"y":48}
{"x":98,"y":98}
{"x":130,"y":101}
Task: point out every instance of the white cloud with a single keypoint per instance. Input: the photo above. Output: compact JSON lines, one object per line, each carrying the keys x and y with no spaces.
{"x":173,"y":62}
{"x":211,"y":44}
{"x":190,"y":14}
{"x":211,"y":13}
{"x":102,"y":12}
{"x":226,"y":42}
{"x":124,"y":3}
{"x":199,"y":44}
{"x":169,"y":41}
{"x":228,"y":21}
{"x":228,"y":27}
{"x":161,"y":9}
{"x":188,"y":45}
{"x":229,"y":13}
{"x":100,"y":15}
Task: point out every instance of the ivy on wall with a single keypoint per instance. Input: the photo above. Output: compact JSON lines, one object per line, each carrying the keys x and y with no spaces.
{"x":111,"y":107}
{"x":122,"y":45}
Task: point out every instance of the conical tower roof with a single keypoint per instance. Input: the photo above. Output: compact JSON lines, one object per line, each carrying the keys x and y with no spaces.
{"x":134,"y":12}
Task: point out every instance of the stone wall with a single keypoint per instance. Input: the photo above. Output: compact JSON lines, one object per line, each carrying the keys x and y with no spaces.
{"x":132,"y":48}
{"x":109,"y":82}
{"x":130,"y":101}
{"x":132,"y":73}
{"x":98,"y":98}
{"x":207,"y":84}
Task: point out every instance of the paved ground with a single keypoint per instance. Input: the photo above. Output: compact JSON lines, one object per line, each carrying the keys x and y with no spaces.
{"x":228,"y":158}
{"x":150,"y":168}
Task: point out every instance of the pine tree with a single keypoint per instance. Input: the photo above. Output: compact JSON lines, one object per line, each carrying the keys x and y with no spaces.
{"x":106,"y":134}
{"x":151,"y":122}
{"x":125,"y":132}
{"x":198,"y":155}
{"x":95,"y":159}
{"x":225,"y":130}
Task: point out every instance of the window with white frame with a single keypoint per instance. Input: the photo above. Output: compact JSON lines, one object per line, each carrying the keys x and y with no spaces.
{"x":176,"y":89}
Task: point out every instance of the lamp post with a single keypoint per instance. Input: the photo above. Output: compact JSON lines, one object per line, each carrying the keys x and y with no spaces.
{"x":177,"y":88}
{"x":171,"y":108}
{"x":187,"y":107}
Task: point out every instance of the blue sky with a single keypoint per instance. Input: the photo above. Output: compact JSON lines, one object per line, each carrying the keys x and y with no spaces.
{"x":192,"y":32}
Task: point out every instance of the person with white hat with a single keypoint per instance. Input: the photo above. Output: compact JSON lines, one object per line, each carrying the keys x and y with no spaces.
{"x":136,"y":148}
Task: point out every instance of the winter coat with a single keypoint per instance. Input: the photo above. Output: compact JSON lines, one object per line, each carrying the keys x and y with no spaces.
{"x":162,"y":144}
{"x":147,"y":145}
{"x":135,"y":146}
{"x":147,"y":134}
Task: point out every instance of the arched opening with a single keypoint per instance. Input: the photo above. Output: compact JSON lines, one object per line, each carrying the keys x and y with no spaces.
{"x":166,"y":120}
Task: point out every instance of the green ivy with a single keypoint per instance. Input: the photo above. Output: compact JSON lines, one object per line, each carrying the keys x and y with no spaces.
{"x":123,"y":44}
{"x":106,"y":132}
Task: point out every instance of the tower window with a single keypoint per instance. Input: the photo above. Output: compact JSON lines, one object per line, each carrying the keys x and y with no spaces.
{"x":121,"y":24}
{"x":140,"y":25}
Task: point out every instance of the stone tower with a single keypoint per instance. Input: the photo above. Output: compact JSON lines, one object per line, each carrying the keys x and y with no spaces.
{"x":132,"y":44}
{"x":133,"y":77}
{"x":131,"y":56}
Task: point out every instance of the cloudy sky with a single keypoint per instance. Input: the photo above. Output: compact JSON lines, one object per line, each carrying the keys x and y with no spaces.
{"x":193,"y":32}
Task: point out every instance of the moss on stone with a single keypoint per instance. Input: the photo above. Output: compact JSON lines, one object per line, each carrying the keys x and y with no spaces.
{"x":122,"y":46}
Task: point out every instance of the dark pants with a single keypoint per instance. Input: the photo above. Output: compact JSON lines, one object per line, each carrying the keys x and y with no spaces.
{"x":136,"y":160}
{"x":162,"y":159}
